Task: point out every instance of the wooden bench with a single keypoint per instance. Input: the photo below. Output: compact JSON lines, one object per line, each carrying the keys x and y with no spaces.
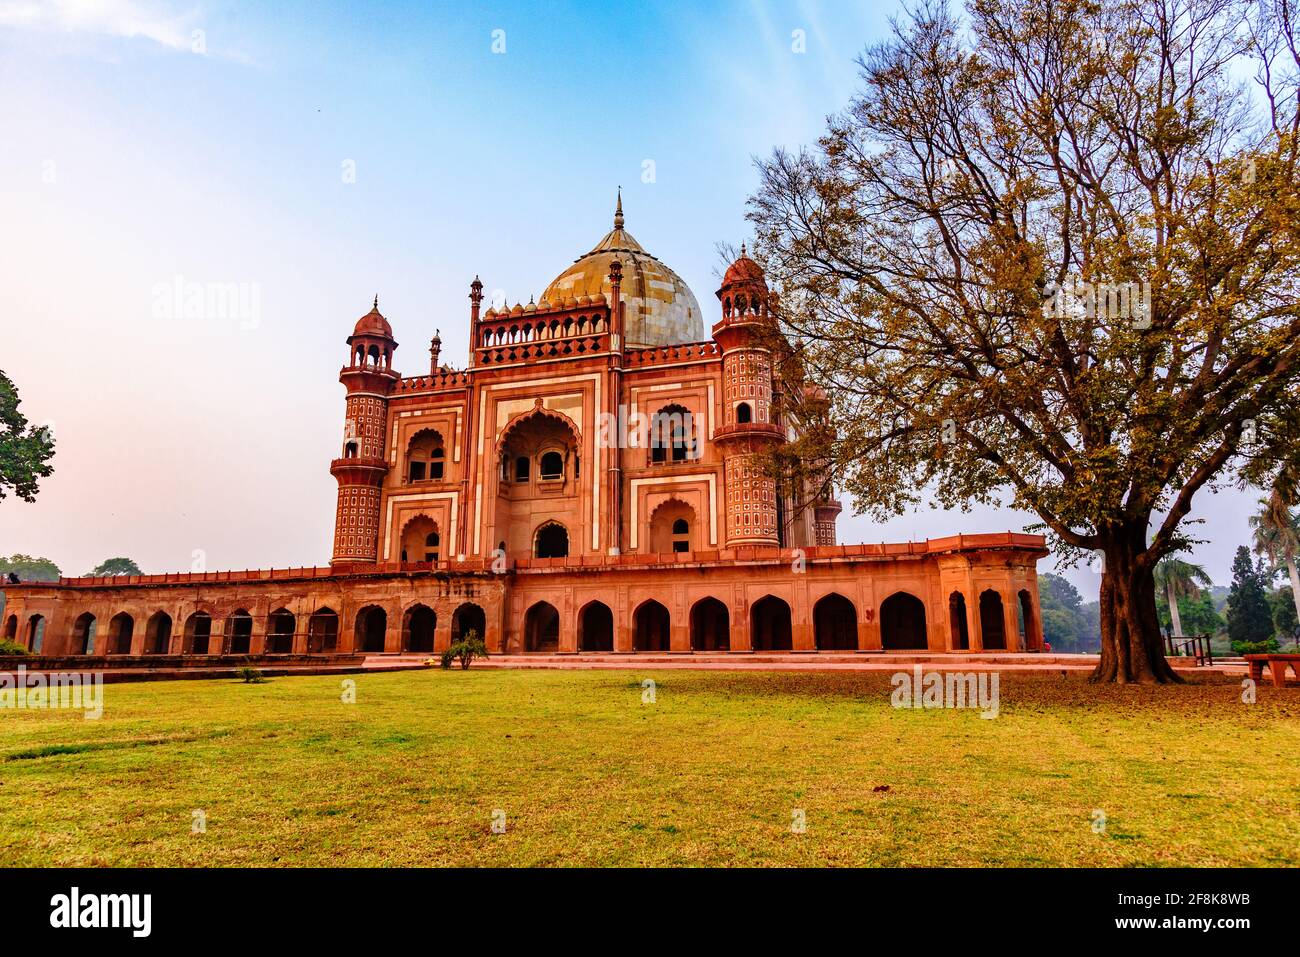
{"x":1277,"y":665}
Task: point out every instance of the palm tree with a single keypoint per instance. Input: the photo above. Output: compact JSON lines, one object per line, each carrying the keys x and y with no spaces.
{"x":1277,"y":536}
{"x":1180,"y":579}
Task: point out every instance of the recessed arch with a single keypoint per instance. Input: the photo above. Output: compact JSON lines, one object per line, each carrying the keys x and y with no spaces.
{"x":551,"y":541}
{"x":835,"y":623}
{"x":239,"y":632}
{"x":281,"y":627}
{"x":993,"y":627}
{"x":672,"y":527}
{"x":672,"y":435}
{"x":537,"y":414}
{"x":467,"y":618}
{"x":198,"y":633}
{"x":550,"y":465}
{"x":710,"y":626}
{"x":595,"y":627}
{"x":418,"y":626}
{"x":769,"y":625}
{"x":902,"y":623}
{"x":11,"y":628}
{"x":958,"y":626}
{"x":158,"y":634}
{"x":651,"y":627}
{"x":1029,"y":633}
{"x":121,"y":628}
{"x":371,"y":627}
{"x":542,"y":628}
{"x":425,"y":457}
{"x":36,"y":633}
{"x":83,"y":634}
{"x":421,"y":540}
{"x":323,"y":632}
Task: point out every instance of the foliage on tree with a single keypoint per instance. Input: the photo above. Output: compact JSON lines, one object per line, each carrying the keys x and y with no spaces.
{"x":1177,"y":580}
{"x":1066,"y":625}
{"x":116,"y":566}
{"x":30,"y":569}
{"x":1196,"y":614}
{"x":1250,"y":618}
{"x":1277,"y":535}
{"x":1286,"y":623}
{"x":1048,"y":258}
{"x":469,"y":647}
{"x":25,"y":450}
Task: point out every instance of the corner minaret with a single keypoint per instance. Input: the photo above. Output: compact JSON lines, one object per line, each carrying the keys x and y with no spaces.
{"x":369,"y":379}
{"x":748,"y":431}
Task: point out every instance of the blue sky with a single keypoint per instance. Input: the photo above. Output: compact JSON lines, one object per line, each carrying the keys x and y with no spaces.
{"x":148,"y":141}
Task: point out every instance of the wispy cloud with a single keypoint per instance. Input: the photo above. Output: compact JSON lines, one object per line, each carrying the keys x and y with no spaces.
{"x":128,"y":19}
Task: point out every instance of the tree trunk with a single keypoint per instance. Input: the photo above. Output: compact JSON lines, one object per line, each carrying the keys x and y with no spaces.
{"x":1132,"y":650}
{"x":1295,"y":581}
{"x":1174,"y":617}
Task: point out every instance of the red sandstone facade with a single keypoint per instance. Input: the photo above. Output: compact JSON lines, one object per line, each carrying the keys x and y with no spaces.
{"x":592,"y":481}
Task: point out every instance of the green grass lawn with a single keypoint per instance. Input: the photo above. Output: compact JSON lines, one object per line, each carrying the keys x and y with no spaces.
{"x":710,"y":774}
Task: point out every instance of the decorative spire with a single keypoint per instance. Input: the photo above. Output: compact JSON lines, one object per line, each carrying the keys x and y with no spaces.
{"x":618,"y":210}
{"x":742,"y":248}
{"x":376,"y":302}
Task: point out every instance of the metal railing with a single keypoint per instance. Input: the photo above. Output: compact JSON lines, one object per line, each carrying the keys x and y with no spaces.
{"x":1190,"y":646}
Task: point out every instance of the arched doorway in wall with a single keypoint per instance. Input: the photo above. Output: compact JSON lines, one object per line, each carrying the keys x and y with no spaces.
{"x":198,"y":633}
{"x":469,"y":617}
{"x":36,"y":634}
{"x":596,"y":628}
{"x":672,"y":436}
{"x":992,"y":621}
{"x":902,"y":623}
{"x":958,"y":626}
{"x":425,"y":457}
{"x":83,"y":634}
{"x":651,"y":627}
{"x":1028,"y":625}
{"x":542,"y":628}
{"x":418,"y":626}
{"x":323,"y":632}
{"x":371,"y":626}
{"x":239,"y":632}
{"x":710,"y":626}
{"x":421,"y":541}
{"x":11,"y":628}
{"x":551,"y":541}
{"x":672,"y":528}
{"x":121,"y":628}
{"x":769,"y":625}
{"x":539,"y":471}
{"x":158,"y":634}
{"x":835,"y":624}
{"x":281,"y":626}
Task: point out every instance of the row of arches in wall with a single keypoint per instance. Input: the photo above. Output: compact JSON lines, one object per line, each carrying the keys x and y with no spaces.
{"x":835,"y":624}
{"x":532,"y":332}
{"x":201,"y":637}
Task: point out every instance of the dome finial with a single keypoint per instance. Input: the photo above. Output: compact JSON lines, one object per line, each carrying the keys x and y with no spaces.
{"x":742,"y":248}
{"x":376,"y":300}
{"x":618,"y":210}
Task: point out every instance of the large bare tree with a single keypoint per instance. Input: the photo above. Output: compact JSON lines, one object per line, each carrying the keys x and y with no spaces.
{"x":1048,"y":258}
